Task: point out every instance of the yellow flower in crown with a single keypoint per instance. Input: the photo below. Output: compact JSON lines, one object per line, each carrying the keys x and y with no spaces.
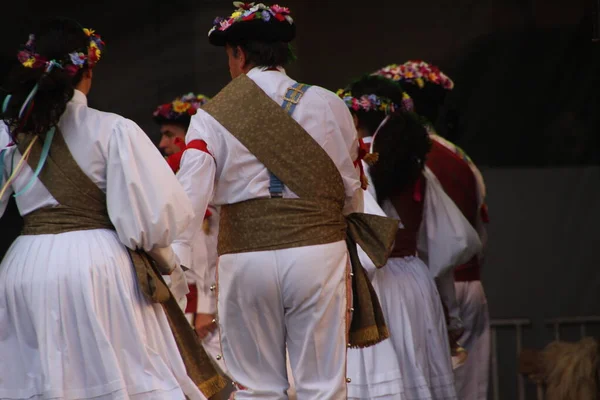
{"x":29,"y":62}
{"x":433,"y":77}
{"x":409,"y":74}
{"x":88,"y":32}
{"x":236,"y":14}
{"x":420,"y":82}
{"x":180,"y":106}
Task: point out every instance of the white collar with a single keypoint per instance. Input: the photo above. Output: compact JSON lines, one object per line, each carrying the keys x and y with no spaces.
{"x":79,"y":97}
{"x":258,"y":70}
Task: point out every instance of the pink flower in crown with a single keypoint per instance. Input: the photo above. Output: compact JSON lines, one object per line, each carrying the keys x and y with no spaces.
{"x":277,"y":9}
{"x":355,"y":105}
{"x":226,"y":24}
{"x":365,"y":103}
{"x":447,"y":84}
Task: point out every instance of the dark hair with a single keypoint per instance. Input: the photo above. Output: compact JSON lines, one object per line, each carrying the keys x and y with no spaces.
{"x":263,"y":54}
{"x":182,"y":121}
{"x":402,"y":145}
{"x":428,"y":100}
{"x":402,"y":142}
{"x":54,"y":40}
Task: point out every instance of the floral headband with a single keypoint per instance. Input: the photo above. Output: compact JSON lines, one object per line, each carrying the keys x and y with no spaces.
{"x":75,"y":60}
{"x":183,"y":106}
{"x":371,"y":102}
{"x":249,"y":12}
{"x":417,"y":72}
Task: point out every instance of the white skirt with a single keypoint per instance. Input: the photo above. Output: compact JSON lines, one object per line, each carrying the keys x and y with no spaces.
{"x":74,"y":324}
{"x":415,"y":318}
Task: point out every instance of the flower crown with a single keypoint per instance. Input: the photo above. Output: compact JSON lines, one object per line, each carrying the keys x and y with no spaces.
{"x":249,"y":12}
{"x":372,"y":102}
{"x":183,"y":106}
{"x":417,"y":72}
{"x":74,"y":60}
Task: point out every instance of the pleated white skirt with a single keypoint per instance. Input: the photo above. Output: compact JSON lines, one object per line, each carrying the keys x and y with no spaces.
{"x":74,"y":324}
{"x":418,"y":339}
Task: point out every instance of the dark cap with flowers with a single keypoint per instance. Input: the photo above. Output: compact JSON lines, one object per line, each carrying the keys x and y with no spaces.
{"x":416,"y":72}
{"x":252,"y":21}
{"x":180,"y":110}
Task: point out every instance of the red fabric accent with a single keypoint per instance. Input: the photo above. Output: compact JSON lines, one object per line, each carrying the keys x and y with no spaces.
{"x":456,"y":178}
{"x":174,"y":161}
{"x":418,"y":190}
{"x":199,"y":145}
{"x":471,"y":271}
{"x":405,"y":244}
{"x":192,"y":300}
{"x":485,"y":217}
{"x":207,"y":214}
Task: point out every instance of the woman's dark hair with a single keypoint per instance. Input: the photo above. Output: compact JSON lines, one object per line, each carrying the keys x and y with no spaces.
{"x":54,"y":40}
{"x":263,"y":54}
{"x":402,"y":142}
{"x":428,"y":100}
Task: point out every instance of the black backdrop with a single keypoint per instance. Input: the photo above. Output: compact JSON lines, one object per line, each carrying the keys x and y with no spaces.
{"x":527,"y":93}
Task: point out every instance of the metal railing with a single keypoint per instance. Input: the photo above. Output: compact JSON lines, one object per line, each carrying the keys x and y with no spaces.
{"x":517,"y":324}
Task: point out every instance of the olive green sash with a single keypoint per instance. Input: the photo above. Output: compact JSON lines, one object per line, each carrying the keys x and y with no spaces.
{"x":294,"y":157}
{"x":82,"y":206}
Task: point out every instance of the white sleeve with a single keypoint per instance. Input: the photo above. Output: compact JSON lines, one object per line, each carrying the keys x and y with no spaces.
{"x":197,"y":177}
{"x":146,"y":203}
{"x":447,"y":291}
{"x":196,"y":174}
{"x":343,"y":149}
{"x":207,"y":300}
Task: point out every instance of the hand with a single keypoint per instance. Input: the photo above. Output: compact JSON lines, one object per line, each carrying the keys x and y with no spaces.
{"x":204,"y":324}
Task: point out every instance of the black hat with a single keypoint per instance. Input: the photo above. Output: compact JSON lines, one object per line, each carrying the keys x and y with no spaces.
{"x":253,"y":22}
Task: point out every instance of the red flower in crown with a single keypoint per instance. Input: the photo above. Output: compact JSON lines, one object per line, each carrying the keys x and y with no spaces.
{"x":279,"y":17}
{"x":277,"y":9}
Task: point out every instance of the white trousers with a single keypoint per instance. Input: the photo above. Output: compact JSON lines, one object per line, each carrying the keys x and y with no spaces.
{"x":471,"y":379}
{"x":295,"y":297}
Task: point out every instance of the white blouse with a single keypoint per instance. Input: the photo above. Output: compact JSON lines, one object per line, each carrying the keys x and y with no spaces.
{"x":146,"y":204}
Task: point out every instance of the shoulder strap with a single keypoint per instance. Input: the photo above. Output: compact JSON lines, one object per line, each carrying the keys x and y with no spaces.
{"x":290,"y":101}
{"x":62,"y":176}
{"x":276,"y":139}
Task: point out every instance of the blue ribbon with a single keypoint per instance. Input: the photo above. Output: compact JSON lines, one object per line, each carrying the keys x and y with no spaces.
{"x":6,"y":101}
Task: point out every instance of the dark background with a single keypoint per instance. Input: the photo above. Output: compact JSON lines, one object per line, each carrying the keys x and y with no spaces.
{"x":527,"y":95}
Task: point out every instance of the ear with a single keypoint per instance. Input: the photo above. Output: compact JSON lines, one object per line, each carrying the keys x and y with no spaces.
{"x":241,"y":57}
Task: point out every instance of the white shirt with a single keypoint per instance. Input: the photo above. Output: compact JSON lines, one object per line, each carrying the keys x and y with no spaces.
{"x":233,"y":174}
{"x":146,"y":204}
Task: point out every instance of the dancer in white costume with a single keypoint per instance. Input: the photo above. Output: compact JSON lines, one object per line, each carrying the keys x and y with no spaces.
{"x":200,"y":254}
{"x":287,"y":226}
{"x":74,"y":323}
{"x":407,"y":291}
{"x":464,"y":184}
